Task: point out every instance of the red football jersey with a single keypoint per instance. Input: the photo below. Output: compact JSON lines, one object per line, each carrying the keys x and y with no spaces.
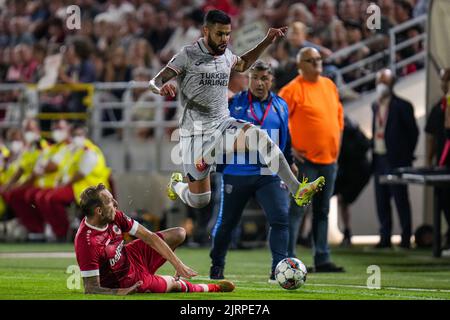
{"x":101,"y":252}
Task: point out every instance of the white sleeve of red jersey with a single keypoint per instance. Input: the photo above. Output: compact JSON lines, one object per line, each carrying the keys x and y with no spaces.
{"x":125,"y":223}
{"x":87,"y":257}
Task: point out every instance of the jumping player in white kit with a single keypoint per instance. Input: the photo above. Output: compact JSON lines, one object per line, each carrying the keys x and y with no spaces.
{"x":203,"y":70}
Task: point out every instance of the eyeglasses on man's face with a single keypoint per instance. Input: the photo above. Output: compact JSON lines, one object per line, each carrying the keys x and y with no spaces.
{"x":313,"y":60}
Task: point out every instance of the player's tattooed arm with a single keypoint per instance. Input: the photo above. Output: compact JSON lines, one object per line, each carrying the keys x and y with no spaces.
{"x":158,"y":84}
{"x":248,"y":58}
{"x":92,"y":286}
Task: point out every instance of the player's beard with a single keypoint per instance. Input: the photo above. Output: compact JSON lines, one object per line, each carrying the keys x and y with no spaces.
{"x":215,"y":47}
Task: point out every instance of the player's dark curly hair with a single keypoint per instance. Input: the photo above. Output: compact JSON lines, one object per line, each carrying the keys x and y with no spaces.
{"x":90,"y":199}
{"x":217,"y":16}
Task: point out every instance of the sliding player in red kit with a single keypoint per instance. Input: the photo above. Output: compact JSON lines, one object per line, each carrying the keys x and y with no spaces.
{"x":110,"y":266}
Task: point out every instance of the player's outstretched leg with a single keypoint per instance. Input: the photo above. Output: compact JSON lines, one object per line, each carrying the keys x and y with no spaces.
{"x":177,"y":187}
{"x":306,"y":190}
{"x":277,"y":164}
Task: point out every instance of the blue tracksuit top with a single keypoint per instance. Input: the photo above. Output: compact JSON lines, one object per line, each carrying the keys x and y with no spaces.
{"x":274,"y":118}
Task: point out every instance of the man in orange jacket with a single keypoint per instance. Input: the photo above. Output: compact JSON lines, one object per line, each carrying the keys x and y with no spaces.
{"x":316,"y":123}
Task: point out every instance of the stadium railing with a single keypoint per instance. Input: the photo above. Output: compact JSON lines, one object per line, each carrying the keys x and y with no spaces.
{"x":381,"y":58}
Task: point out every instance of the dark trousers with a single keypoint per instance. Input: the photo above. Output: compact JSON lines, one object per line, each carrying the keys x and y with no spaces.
{"x":271,"y":194}
{"x":383,"y":195}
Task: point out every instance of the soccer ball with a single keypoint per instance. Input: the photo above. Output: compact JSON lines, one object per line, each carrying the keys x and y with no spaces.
{"x":290,"y":273}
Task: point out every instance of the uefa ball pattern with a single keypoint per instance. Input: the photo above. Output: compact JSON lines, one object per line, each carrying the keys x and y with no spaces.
{"x":290,"y":273}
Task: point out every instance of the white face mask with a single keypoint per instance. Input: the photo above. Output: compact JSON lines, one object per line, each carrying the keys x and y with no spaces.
{"x":59,"y":135}
{"x":382,"y":90}
{"x":16,"y":146}
{"x":78,"y":141}
{"x":31,"y":136}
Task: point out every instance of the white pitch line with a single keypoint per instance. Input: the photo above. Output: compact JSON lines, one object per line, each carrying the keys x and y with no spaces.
{"x":386,"y":288}
{"x":30,"y":255}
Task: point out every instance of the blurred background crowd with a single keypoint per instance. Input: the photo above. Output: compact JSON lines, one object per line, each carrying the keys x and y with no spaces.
{"x":121,"y":40}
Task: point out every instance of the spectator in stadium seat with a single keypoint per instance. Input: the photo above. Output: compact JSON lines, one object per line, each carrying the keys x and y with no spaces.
{"x":85,"y":168}
{"x":300,"y":12}
{"x":287,"y":68}
{"x":395,"y":135}
{"x":33,"y":147}
{"x":296,"y":37}
{"x":146,"y":16}
{"x":403,"y":13}
{"x":142,"y":103}
{"x":330,"y":29}
{"x":78,"y":68}
{"x":186,"y":33}
{"x":18,"y":31}
{"x":348,"y":10}
{"x":354,"y":36}
{"x":55,"y":32}
{"x":162,"y":31}
{"x":314,"y":111}
{"x":23,"y":65}
{"x":99,"y":61}
{"x":437,"y":137}
{"x":117,"y":69}
{"x":44,"y":177}
{"x":141,"y":54}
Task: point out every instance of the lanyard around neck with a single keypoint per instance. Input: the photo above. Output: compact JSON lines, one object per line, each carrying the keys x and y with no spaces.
{"x":381,"y":119}
{"x":252,"y":110}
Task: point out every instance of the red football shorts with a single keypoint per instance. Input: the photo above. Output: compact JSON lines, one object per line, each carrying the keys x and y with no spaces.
{"x":144,"y":262}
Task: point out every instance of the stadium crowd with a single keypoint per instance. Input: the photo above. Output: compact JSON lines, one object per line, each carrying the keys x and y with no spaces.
{"x":120,"y":41}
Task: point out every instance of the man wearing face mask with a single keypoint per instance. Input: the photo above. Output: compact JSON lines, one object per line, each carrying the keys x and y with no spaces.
{"x":85,"y":167}
{"x":9,"y":164}
{"x":395,"y":136}
{"x":244,"y":179}
{"x":44,"y":177}
{"x":16,"y":144}
{"x":316,"y":122}
{"x":32,"y":148}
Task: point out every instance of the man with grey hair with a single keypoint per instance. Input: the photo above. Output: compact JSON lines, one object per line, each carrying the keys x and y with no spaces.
{"x":314,"y":111}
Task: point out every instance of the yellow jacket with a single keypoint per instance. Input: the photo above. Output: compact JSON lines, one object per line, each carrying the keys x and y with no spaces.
{"x":99,"y":174}
{"x":59,"y":152}
{"x":29,"y":158}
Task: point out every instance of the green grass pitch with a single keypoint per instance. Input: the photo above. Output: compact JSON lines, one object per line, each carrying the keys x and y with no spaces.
{"x":405,"y":275}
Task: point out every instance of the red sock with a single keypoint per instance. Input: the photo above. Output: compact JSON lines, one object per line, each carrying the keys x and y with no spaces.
{"x":212,"y":287}
{"x":186,"y":286}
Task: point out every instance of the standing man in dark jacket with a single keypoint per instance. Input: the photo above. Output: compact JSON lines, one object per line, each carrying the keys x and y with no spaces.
{"x":395,"y":135}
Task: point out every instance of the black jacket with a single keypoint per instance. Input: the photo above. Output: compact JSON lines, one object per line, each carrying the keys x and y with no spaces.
{"x":401,"y":132}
